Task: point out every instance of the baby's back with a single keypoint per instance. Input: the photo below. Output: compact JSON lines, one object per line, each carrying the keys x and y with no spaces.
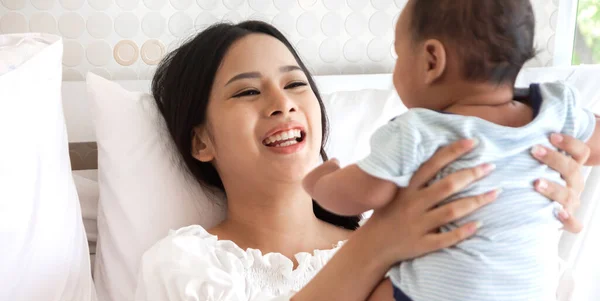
{"x":514,"y":254}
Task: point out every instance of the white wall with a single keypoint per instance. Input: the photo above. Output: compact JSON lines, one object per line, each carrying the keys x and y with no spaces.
{"x":123,"y":39}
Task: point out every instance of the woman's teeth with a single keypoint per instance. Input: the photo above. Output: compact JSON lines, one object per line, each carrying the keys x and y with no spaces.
{"x":287,"y":143}
{"x":283,"y":139}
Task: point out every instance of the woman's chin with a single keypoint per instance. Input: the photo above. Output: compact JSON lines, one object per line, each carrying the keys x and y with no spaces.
{"x":290,"y":173}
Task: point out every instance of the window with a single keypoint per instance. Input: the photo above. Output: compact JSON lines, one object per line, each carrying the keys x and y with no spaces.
{"x":587,"y":33}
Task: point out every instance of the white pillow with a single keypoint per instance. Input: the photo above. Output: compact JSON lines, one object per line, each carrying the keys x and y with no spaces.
{"x":43,"y":248}
{"x":143,"y":191}
{"x":353,"y":118}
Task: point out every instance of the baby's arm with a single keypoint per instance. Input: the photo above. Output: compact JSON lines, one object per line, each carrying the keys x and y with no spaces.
{"x":594,"y":144}
{"x":349,"y":190}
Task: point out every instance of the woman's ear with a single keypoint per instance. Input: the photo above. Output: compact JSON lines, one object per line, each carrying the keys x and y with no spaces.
{"x":435,"y":58}
{"x":202,"y":146}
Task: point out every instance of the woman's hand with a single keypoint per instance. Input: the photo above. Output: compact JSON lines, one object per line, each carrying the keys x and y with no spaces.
{"x":414,"y":216}
{"x":405,"y":228}
{"x":570,"y":169}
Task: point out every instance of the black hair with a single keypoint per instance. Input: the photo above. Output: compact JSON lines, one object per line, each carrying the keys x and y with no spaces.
{"x":492,"y":38}
{"x":181,"y":87}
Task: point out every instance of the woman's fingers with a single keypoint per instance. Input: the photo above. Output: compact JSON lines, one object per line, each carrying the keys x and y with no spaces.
{"x":570,"y":223}
{"x":568,"y":198}
{"x":576,"y":148}
{"x":436,"y":241}
{"x":562,"y":195}
{"x":454,"y":183}
{"x":569,"y":168}
{"x":439,"y":160}
{"x":458,"y":209}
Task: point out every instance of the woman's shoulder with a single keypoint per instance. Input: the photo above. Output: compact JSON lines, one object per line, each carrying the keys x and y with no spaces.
{"x":192,"y":261}
{"x":191,"y":241}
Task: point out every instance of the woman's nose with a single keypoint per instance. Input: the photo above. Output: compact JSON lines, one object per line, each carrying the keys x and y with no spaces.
{"x":280,"y":104}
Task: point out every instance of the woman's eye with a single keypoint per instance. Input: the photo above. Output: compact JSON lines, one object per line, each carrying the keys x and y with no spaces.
{"x":246,"y":93}
{"x":295,"y":85}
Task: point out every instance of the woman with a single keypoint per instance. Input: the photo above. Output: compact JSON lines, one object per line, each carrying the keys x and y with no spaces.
{"x":225,"y":95}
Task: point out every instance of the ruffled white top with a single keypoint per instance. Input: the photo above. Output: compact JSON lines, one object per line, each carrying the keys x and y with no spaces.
{"x":192,"y":264}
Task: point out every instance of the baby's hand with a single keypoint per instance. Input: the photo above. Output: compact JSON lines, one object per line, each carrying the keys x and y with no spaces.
{"x":324,"y":169}
{"x":330,"y":166}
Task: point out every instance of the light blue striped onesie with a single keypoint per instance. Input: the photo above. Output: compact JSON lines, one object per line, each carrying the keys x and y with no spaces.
{"x":514,"y":256}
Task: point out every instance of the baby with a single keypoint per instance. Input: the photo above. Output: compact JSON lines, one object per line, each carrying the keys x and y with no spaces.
{"x":457,"y":64}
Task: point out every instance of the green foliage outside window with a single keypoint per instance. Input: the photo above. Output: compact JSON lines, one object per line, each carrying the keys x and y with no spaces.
{"x":587,"y":33}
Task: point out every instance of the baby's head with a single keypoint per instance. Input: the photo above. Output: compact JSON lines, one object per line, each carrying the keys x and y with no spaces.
{"x":444,"y":45}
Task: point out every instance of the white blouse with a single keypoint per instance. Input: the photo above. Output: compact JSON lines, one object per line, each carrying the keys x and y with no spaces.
{"x":192,"y":264}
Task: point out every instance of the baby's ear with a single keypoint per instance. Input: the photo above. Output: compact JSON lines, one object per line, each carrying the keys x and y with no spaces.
{"x":202,"y":146}
{"x":435,"y":60}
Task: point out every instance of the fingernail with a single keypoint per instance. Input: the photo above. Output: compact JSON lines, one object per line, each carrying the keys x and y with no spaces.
{"x":538,"y":151}
{"x":487,"y":168}
{"x":476,"y":226}
{"x":563,"y":215}
{"x":495,"y":193}
{"x":475,"y":142}
{"x":556,"y":138}
{"x":541,"y":185}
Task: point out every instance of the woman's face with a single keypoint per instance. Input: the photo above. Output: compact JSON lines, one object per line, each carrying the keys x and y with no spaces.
{"x":409,"y":62}
{"x":264,"y":120}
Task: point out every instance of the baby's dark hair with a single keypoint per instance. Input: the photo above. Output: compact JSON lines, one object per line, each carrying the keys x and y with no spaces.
{"x":493,"y":39}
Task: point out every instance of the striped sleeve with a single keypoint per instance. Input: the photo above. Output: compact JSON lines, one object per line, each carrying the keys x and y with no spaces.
{"x":395,"y":153}
{"x":580,"y":122}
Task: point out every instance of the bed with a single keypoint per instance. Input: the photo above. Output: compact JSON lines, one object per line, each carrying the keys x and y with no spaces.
{"x":357,"y":104}
{"x":84,"y":152}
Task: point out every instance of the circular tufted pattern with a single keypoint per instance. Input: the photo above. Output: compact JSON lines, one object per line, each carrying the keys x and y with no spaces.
{"x":98,"y":53}
{"x":127,"y":25}
{"x":42,"y":4}
{"x":125,"y":39}
{"x":204,"y":20}
{"x":152,"y":52}
{"x":71,"y":4}
{"x":377,"y":50}
{"x":354,"y":50}
{"x":127,"y":4}
{"x":13,"y":22}
{"x":356,"y":23}
{"x":99,"y":25}
{"x":153,"y":24}
{"x":97,"y":4}
{"x":331,"y":24}
{"x":71,"y":25}
{"x":43,"y":22}
{"x":72,"y":54}
{"x":154,"y":4}
{"x":181,"y":4}
{"x":330,"y":50}
{"x":13,"y":4}
{"x":208,"y":4}
{"x":126,"y":52}
{"x":380,"y":23}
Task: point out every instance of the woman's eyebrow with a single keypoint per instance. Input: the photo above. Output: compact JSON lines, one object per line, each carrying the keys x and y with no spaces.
{"x":244,"y":76}
{"x":283,"y":69}
{"x":289,"y":68}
